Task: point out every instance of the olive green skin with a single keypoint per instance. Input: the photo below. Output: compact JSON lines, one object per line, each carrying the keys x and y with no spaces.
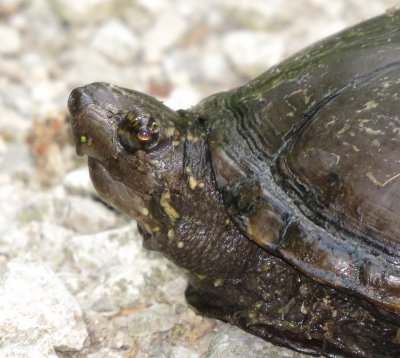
{"x":279,"y":198}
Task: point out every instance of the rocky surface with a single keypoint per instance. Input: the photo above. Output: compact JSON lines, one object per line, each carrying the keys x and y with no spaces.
{"x":74,"y":280}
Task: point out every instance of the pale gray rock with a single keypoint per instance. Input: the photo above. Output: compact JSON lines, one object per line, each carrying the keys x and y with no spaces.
{"x":232,"y":342}
{"x":174,"y":290}
{"x":13,"y":125}
{"x":180,"y":352}
{"x":29,"y":343}
{"x":117,"y":268}
{"x":215,"y":68}
{"x":240,"y":47}
{"x":108,"y":353}
{"x":17,"y":98}
{"x":12,"y":194}
{"x":157,"y":40}
{"x":45,"y":238}
{"x":3,"y":148}
{"x":32,"y":297}
{"x":10,"y":4}
{"x":155,"y":6}
{"x":117,"y":42}
{"x":182,"y":97}
{"x":10,"y":40}
{"x":77,"y":213}
{"x":79,"y":11}
{"x":211,"y":68}
{"x":96,"y":67}
{"x":77,"y":182}
{"x":156,"y":318}
{"x":17,"y":160}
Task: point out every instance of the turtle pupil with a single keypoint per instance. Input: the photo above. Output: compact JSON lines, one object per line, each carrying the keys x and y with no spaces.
{"x":144,"y":134}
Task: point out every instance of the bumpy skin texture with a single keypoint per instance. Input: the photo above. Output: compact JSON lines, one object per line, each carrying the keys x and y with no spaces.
{"x":278,"y":198}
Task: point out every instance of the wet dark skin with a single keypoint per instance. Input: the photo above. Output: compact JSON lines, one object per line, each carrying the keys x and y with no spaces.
{"x":279,"y":199}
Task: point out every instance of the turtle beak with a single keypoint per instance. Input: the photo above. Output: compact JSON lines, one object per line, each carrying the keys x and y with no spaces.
{"x":92,"y":127}
{"x":77,"y":100}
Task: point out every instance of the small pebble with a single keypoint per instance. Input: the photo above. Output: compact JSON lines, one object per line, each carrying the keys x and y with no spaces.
{"x":117,"y":42}
{"x":157,"y":318}
{"x":10,"y":40}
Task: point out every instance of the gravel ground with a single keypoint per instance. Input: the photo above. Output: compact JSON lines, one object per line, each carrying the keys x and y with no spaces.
{"x":74,"y":280}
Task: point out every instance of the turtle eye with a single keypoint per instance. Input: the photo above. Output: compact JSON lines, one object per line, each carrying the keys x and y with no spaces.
{"x":137,"y":132}
{"x":145,"y":134}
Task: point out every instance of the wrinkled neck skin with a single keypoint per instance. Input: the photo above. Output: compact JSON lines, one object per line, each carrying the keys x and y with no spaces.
{"x":196,"y":232}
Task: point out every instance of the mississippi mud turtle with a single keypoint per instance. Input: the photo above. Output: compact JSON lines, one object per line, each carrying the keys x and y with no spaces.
{"x":280,"y":198}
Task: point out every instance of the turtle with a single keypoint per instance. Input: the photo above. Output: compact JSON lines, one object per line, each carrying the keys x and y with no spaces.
{"x":279,"y":198}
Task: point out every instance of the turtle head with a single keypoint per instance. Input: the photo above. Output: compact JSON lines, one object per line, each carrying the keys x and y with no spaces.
{"x":152,"y":163}
{"x":134,"y":147}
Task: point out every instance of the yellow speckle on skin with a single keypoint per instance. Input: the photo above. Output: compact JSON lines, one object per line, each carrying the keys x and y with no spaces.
{"x":201,"y":185}
{"x":258,"y":305}
{"x":147,"y":228}
{"x":372,"y":131}
{"x":201,"y":277}
{"x":303,"y":308}
{"x":175,"y":143}
{"x":170,"y":234}
{"x":191,"y":138}
{"x":251,"y":315}
{"x":188,"y":170}
{"x":168,"y":208}
{"x":265,"y":268}
{"x":180,"y":245}
{"x":170,"y":131}
{"x":227,"y":221}
{"x":154,"y":163}
{"x":155,"y":229}
{"x":86,"y":140}
{"x":376,"y":182}
{"x":145,"y":211}
{"x":369,"y":105}
{"x":218,"y":282}
{"x":192,"y":183}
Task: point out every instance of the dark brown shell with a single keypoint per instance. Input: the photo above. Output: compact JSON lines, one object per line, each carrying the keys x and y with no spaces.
{"x":307,"y":157}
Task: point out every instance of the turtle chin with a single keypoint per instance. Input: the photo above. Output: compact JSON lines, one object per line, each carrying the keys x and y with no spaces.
{"x":101,"y":178}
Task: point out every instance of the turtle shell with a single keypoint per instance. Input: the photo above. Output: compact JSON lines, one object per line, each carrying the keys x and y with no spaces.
{"x":307,"y":157}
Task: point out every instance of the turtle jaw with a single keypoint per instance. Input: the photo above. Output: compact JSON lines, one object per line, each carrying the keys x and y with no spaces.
{"x":131,"y":202}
